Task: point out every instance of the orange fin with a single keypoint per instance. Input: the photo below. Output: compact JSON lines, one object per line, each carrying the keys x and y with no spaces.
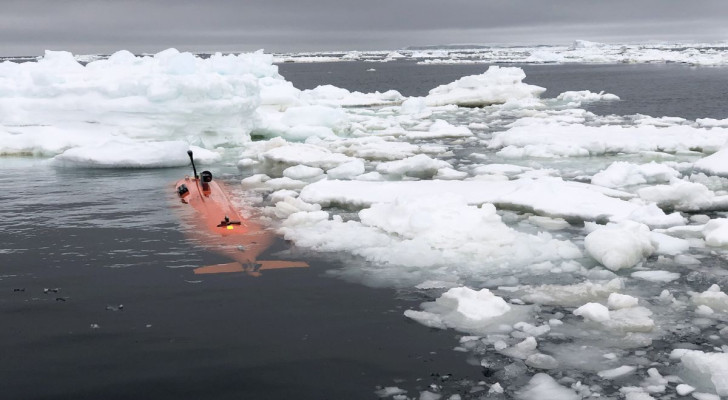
{"x":220,"y":268}
{"x":280,"y":264}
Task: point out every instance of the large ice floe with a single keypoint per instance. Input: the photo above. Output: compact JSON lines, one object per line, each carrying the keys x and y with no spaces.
{"x":575,"y":255}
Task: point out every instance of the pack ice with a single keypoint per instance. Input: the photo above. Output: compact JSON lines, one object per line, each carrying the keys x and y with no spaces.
{"x":572,"y":252}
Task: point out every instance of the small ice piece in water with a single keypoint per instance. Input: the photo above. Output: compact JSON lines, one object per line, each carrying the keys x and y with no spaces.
{"x":593,"y":311}
{"x":713,"y":298}
{"x":426,"y":395}
{"x":684,"y":389}
{"x":617,"y":301}
{"x":302,"y":172}
{"x":541,"y":361}
{"x":621,"y":245}
{"x":656,"y":276}
{"x":347,"y":170}
{"x":618,"y":372}
{"x":544,"y":387}
{"x":474,"y":305}
{"x":389,"y":391}
{"x":495,"y":388}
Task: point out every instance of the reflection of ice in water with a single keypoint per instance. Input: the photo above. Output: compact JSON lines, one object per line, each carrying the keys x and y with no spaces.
{"x":585,"y":247}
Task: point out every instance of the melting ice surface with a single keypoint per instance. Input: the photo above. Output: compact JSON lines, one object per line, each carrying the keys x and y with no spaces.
{"x":578,"y":255}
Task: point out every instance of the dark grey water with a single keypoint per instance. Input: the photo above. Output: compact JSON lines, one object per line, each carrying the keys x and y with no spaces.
{"x":651,"y":89}
{"x":105,"y":238}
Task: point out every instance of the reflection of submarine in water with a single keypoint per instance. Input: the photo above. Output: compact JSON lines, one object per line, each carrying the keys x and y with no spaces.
{"x":218,"y":226}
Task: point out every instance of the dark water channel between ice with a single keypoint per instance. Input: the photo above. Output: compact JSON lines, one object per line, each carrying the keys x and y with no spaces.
{"x":98,"y":239}
{"x":658,"y":90}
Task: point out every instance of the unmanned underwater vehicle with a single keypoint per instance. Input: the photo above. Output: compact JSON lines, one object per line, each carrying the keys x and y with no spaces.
{"x":217,"y":225}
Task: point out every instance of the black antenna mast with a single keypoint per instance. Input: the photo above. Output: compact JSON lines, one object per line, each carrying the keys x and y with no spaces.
{"x":189,"y":153}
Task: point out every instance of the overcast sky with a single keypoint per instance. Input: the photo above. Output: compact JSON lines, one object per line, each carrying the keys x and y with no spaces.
{"x":28,"y":27}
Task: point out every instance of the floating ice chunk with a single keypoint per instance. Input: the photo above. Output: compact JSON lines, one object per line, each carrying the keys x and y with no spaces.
{"x":557,"y":140}
{"x":415,"y":106}
{"x":466,"y":310}
{"x":544,"y":387}
{"x":389,"y":391}
{"x":497,"y":85}
{"x":633,"y":319}
{"x":548,"y":223}
{"x":427,"y":395}
{"x":334,"y":96}
{"x":347,"y":170}
{"x":713,"y":298}
{"x":548,"y":196}
{"x":705,"y":396}
{"x":169,"y":96}
{"x":291,"y":205}
{"x":705,"y":371}
{"x":617,"y":301}
{"x":684,"y":196}
{"x":656,"y":276}
{"x":306,"y":154}
{"x":572,"y":295}
{"x":496,"y":388}
{"x":618,"y":372}
{"x":440,"y":129}
{"x":586,"y":96}
{"x":541,"y":361}
{"x":684,"y":390}
{"x":593,"y":311}
{"x":653,"y":216}
{"x":418,"y":166}
{"x":637,"y":395}
{"x":522,"y":350}
{"x":665,"y":244}
{"x":714,"y":164}
{"x":302,"y":172}
{"x":716,"y":232}
{"x":117,"y":154}
{"x":619,"y":246}
{"x":475,"y":305}
{"x":449,"y":174}
{"x":620,"y":174}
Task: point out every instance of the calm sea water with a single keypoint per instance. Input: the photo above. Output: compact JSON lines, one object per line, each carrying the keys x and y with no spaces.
{"x":651,"y":89}
{"x":75,"y":244}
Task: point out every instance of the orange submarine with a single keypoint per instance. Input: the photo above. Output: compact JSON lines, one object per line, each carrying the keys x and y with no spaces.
{"x":217,"y":225}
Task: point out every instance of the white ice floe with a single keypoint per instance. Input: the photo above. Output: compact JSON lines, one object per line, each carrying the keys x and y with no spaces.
{"x":134,"y":155}
{"x":334,"y":96}
{"x":704,"y":371}
{"x":544,"y":387}
{"x":169,"y":96}
{"x":713,"y":298}
{"x":547,"y":196}
{"x":618,"y":246}
{"x":593,"y":311}
{"x":618,"y":372}
{"x":656,"y":276}
{"x":714,"y":164}
{"x":426,"y":231}
{"x":576,"y":140}
{"x":495,"y":86}
{"x":463,"y":309}
{"x":684,"y":196}
{"x":572,"y":295}
{"x":575,"y":98}
{"x":618,"y":301}
{"x":620,"y":174}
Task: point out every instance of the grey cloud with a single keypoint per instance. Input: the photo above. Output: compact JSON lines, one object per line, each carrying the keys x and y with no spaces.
{"x":88,"y":26}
